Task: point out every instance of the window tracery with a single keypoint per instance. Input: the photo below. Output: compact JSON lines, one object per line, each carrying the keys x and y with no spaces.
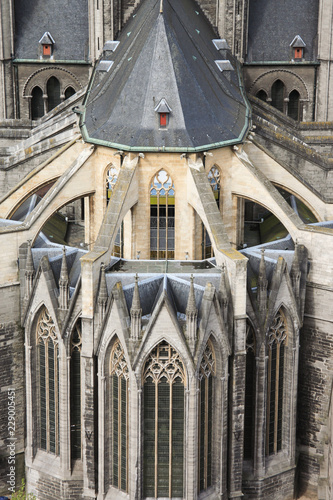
{"x":162,"y":217}
{"x":163,"y":415}
{"x":206,"y":374}
{"x":119,"y":374}
{"x":111,"y":179}
{"x":48,"y":383}
{"x":75,"y":391}
{"x":250,"y":382}
{"x":277,"y":339}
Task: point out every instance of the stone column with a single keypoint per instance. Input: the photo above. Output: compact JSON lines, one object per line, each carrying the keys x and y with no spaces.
{"x":260,"y":414}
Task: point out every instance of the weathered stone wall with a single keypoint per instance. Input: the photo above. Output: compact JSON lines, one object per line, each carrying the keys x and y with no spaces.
{"x":11,"y":377}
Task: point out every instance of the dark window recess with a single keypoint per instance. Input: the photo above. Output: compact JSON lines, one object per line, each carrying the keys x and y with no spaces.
{"x":278,"y":95}
{"x":37,"y":103}
{"x":53,"y":92}
{"x":293,"y":105}
{"x":262,"y":95}
{"x":75,"y":400}
{"x":69,"y":92}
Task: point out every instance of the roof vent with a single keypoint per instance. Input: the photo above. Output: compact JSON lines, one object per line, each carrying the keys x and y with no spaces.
{"x":224,"y":65}
{"x":104,"y":66}
{"x":110,"y":46}
{"x":47,"y":39}
{"x":221,"y":44}
{"x":297,"y":42}
{"x":163,"y":107}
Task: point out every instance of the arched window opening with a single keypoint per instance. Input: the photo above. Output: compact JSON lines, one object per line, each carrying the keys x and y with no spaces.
{"x":111,"y":179}
{"x":162,"y":217}
{"x":69,"y":92}
{"x":249,"y":392}
{"x":260,"y":225}
{"x":302,"y":210}
{"x":37,"y":103}
{"x":277,"y":339}
{"x":215,"y":184}
{"x":163,"y":414}
{"x":75,"y":391}
{"x":278,"y":95}
{"x":262,"y":95}
{"x":206,"y":374}
{"x":48,"y":383}
{"x":53,"y":92}
{"x":119,"y":417}
{"x":293,"y":105}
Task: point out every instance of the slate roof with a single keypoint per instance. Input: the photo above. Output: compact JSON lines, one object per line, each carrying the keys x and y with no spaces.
{"x":67,"y":21}
{"x":274,"y":24}
{"x":169,"y":56}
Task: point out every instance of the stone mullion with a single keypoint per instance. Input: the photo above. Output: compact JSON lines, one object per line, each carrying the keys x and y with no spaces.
{"x":260,"y":415}
{"x":101,"y":419}
{"x":88,"y":427}
{"x":224,"y":431}
{"x":28,"y":350}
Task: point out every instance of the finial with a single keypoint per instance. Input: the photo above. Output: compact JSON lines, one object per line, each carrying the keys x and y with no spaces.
{"x":161,"y":7}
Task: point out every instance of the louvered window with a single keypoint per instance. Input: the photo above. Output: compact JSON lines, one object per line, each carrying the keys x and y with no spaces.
{"x":206,"y":374}
{"x":163,"y":414}
{"x":162,"y":217}
{"x":277,"y":339}
{"x":75,"y":391}
{"x":48,"y":386}
{"x":119,"y":417}
{"x":249,"y":392}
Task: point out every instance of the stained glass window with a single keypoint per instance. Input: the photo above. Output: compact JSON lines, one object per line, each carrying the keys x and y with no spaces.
{"x":162,"y":217}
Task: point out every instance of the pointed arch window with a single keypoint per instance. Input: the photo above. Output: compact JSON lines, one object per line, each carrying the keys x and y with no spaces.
{"x":249,"y":391}
{"x":215,"y":184}
{"x":75,"y":391}
{"x":53,"y":92}
{"x":277,"y":339}
{"x":162,"y":217}
{"x":69,"y":92}
{"x":163,"y":415}
{"x":119,"y":417}
{"x":111,"y":179}
{"x":261,"y":94}
{"x":48,"y":383}
{"x":206,"y":374}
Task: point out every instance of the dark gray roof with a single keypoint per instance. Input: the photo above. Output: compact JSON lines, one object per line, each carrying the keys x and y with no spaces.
{"x":169,"y":56}
{"x":274,"y":24}
{"x":67,"y":21}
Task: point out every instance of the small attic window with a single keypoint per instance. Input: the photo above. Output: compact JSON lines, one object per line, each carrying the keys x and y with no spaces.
{"x":164,"y":110}
{"x":47,"y":43}
{"x":297,"y":47}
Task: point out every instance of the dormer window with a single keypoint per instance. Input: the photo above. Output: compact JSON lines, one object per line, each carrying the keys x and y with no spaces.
{"x":164,"y":110}
{"x":297,"y":47}
{"x":47,"y":43}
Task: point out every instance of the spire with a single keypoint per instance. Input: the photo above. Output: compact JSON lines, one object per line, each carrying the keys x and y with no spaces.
{"x":262,"y":285}
{"x":191,"y":316}
{"x":102,"y":295}
{"x":223,"y":294}
{"x":63,"y":282}
{"x":29,"y":272}
{"x":136,"y":312}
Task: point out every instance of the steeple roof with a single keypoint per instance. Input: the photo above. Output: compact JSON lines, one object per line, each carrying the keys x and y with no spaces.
{"x":166,"y":51}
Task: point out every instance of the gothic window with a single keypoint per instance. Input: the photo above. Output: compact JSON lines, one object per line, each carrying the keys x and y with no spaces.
{"x":249,"y":391}
{"x":69,"y":92}
{"x":75,"y":391}
{"x":206,"y":374}
{"x":53,"y":92}
{"x":277,"y":339}
{"x":214,"y":180}
{"x":277,"y":92}
{"x":293,"y":105}
{"x":37,"y":103}
{"x":48,"y":383}
{"x":119,"y":417}
{"x":162,"y":217}
{"x":163,"y":420}
{"x":262,"y":95}
{"x":111,"y":179}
